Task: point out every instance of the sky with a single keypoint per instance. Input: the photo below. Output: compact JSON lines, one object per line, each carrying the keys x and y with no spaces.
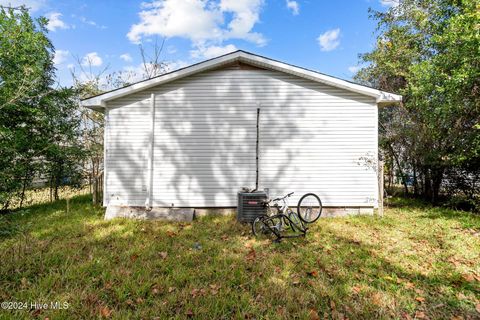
{"x":322,"y":35}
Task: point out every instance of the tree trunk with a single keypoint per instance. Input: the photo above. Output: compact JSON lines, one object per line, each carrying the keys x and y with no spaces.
{"x":51,"y":186}
{"x":55,"y":193}
{"x":22,"y":196}
{"x":427,"y":185}
{"x":5,"y":207}
{"x":437,"y":178}
{"x":415,"y":180}
{"x":397,"y":162}
{"x":57,"y":183}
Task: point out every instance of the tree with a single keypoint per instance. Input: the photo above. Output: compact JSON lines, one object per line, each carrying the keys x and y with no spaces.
{"x":38,"y":124}
{"x":26,"y":73}
{"x":88,"y":83}
{"x":429,"y":51}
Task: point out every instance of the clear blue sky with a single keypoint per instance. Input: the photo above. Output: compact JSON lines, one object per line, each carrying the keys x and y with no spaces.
{"x":323,"y":35}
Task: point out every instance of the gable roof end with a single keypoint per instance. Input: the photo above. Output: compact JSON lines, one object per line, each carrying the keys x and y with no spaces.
{"x":382,"y":97}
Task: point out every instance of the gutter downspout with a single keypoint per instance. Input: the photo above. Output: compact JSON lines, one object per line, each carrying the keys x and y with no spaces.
{"x":148,"y":201}
{"x":257,"y":148}
{"x":106,"y":140}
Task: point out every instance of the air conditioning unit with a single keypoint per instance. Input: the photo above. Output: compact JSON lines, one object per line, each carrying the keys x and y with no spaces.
{"x":251,"y":205}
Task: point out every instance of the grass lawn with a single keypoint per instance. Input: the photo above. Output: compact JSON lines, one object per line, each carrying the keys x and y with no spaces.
{"x":416,"y":262}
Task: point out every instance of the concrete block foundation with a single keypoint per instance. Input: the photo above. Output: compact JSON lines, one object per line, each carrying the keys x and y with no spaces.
{"x":188,"y":214}
{"x":168,"y":214}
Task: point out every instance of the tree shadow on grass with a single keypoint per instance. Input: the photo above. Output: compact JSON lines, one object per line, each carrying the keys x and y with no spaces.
{"x":24,"y":220}
{"x":213,"y":268}
{"x":466,"y":219}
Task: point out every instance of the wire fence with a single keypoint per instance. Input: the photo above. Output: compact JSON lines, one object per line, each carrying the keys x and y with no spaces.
{"x":42,"y":195}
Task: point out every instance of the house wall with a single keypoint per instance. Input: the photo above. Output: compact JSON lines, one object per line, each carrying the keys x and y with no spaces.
{"x":314,"y":138}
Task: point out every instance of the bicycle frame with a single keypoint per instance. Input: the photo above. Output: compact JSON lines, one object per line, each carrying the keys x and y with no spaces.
{"x":279,"y":221}
{"x":281,"y":209}
{"x":286,"y":213}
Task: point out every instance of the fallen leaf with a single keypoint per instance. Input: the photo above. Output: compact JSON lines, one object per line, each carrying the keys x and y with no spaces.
{"x":155,"y":291}
{"x":313,"y":273}
{"x":139,"y":300}
{"x":251,"y":255}
{"x":453,"y":261}
{"x":332,"y":305}
{"x":340,"y":316}
{"x":214,"y":289}
{"x":420,"y":299}
{"x":171,"y":289}
{"x":171,"y":233}
{"x":314,"y":315}
{"x":105,"y":312}
{"x":461,"y":296}
{"x":468,"y":277}
{"x":356,"y":289}
{"x":477,"y":307}
{"x":163,"y":255}
{"x":281,"y":311}
{"x":406,"y":316}
{"x":134,"y":257}
{"x":36,"y":312}
{"x":409,"y":285}
{"x":420,"y":315}
{"x":24,"y":282}
{"x":197,"y":292}
{"x":419,"y":291}
{"x":194,"y":293}
{"x":377,"y":299}
{"x":457,"y":318}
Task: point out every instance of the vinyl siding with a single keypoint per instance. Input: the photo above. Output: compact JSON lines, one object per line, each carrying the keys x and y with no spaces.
{"x":314,"y":138}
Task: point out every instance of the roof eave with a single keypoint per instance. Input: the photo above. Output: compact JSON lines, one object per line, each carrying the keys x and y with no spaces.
{"x":382,"y":98}
{"x":97,"y":101}
{"x":387,"y":98}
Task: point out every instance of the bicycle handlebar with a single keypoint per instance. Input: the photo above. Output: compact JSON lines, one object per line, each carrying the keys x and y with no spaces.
{"x":286,"y":196}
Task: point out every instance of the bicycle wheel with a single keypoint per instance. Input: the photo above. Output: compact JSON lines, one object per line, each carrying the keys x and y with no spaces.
{"x":309,"y":208}
{"x":263,"y":227}
{"x":296,"y":224}
{"x":272,"y":210}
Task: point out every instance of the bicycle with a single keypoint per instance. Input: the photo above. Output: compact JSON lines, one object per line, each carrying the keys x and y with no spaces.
{"x":280,"y":217}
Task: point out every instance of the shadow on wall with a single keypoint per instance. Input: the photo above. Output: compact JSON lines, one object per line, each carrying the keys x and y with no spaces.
{"x":205,"y":136}
{"x":127,"y":154}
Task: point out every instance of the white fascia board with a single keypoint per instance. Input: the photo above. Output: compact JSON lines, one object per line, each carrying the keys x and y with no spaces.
{"x":203,"y":66}
{"x":381,"y":97}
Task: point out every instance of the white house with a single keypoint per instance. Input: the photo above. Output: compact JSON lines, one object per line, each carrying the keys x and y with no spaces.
{"x":188,"y":138}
